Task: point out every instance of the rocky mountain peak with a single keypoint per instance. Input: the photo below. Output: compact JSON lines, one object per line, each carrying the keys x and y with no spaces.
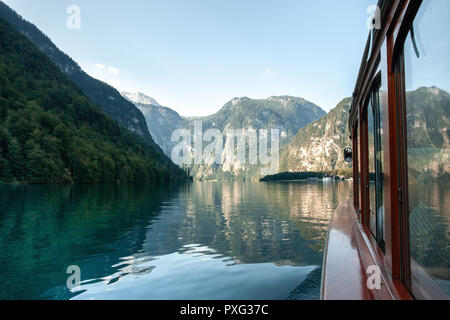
{"x":139,"y":98}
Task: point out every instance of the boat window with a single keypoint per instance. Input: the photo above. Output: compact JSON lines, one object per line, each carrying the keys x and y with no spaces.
{"x":360,"y":156}
{"x":371,"y":145}
{"x":376,"y":175}
{"x":427,"y":85}
{"x":356,"y":166}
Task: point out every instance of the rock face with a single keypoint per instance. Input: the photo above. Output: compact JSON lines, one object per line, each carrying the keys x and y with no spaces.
{"x":139,"y":98}
{"x":318,"y":147}
{"x":428,"y":113}
{"x":162,"y":122}
{"x":285,"y":113}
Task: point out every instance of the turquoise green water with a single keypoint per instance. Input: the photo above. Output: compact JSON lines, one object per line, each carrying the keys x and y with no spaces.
{"x":196,"y":241}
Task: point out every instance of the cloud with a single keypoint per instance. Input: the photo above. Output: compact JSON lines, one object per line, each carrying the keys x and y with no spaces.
{"x":114,"y":83}
{"x":266,"y":74}
{"x":110,"y":69}
{"x":113,"y":70}
{"x":107,"y":73}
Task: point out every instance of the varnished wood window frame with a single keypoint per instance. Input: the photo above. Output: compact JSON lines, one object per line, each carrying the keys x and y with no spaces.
{"x":375,"y":88}
{"x":391,"y":260}
{"x":355,"y":139}
{"x":427,"y":289}
{"x":364,"y":167}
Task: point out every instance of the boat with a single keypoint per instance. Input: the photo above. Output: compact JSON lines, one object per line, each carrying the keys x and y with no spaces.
{"x":385,"y":242}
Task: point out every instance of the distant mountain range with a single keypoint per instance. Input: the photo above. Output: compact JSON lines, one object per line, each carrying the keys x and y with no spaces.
{"x":285,"y":113}
{"x":310,"y":139}
{"x":288,"y":114}
{"x":319,"y":139}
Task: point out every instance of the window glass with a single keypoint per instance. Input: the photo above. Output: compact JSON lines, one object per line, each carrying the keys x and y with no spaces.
{"x":356,"y":166}
{"x":379,"y":166}
{"x":384,"y":120}
{"x":360,"y":156}
{"x":376,"y":175}
{"x":371,"y":145}
{"x":427,"y":82}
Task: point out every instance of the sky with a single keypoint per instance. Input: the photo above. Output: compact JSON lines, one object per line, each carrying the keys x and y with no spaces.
{"x":195,"y":55}
{"x":432,"y":67}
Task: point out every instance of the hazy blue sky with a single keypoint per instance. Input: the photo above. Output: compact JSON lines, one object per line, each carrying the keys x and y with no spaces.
{"x":432,"y":28}
{"x":195,"y":55}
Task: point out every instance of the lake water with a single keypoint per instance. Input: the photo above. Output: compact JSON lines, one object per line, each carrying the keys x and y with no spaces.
{"x":226,"y":240}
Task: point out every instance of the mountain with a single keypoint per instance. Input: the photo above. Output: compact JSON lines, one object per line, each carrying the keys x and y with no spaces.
{"x":319,"y":146}
{"x":288,"y":114}
{"x":428,"y":114}
{"x":162,"y":122}
{"x":285,"y":113}
{"x":139,"y":98}
{"x":105,"y":96}
{"x":428,"y":126}
{"x":50,"y":132}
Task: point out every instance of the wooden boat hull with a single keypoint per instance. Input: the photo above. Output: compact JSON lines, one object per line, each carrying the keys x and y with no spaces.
{"x":348,"y":257}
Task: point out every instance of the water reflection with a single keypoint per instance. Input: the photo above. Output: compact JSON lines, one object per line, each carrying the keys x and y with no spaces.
{"x":430,"y":232}
{"x":198,"y":241}
{"x":44,"y":229}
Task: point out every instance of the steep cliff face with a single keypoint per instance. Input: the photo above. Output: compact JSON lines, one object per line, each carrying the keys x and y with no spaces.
{"x":428,"y":128}
{"x":318,"y":146}
{"x":139,"y":98}
{"x":285,"y":113}
{"x":162,"y":122}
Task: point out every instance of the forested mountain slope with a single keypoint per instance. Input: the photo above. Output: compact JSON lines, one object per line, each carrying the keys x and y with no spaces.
{"x":105,"y":96}
{"x":50,"y":132}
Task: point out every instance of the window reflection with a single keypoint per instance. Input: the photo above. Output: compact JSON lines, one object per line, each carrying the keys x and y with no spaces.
{"x":356,"y":167}
{"x":360,"y":156}
{"x":372,"y":189}
{"x":428,"y":148}
{"x":375,"y":127}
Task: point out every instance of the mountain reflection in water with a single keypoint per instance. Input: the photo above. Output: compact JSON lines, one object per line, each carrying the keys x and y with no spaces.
{"x":230,"y":240}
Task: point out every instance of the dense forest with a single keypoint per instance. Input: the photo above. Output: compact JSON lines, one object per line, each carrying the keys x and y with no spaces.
{"x":50,"y":132}
{"x":102,"y":94}
{"x":286,"y":176}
